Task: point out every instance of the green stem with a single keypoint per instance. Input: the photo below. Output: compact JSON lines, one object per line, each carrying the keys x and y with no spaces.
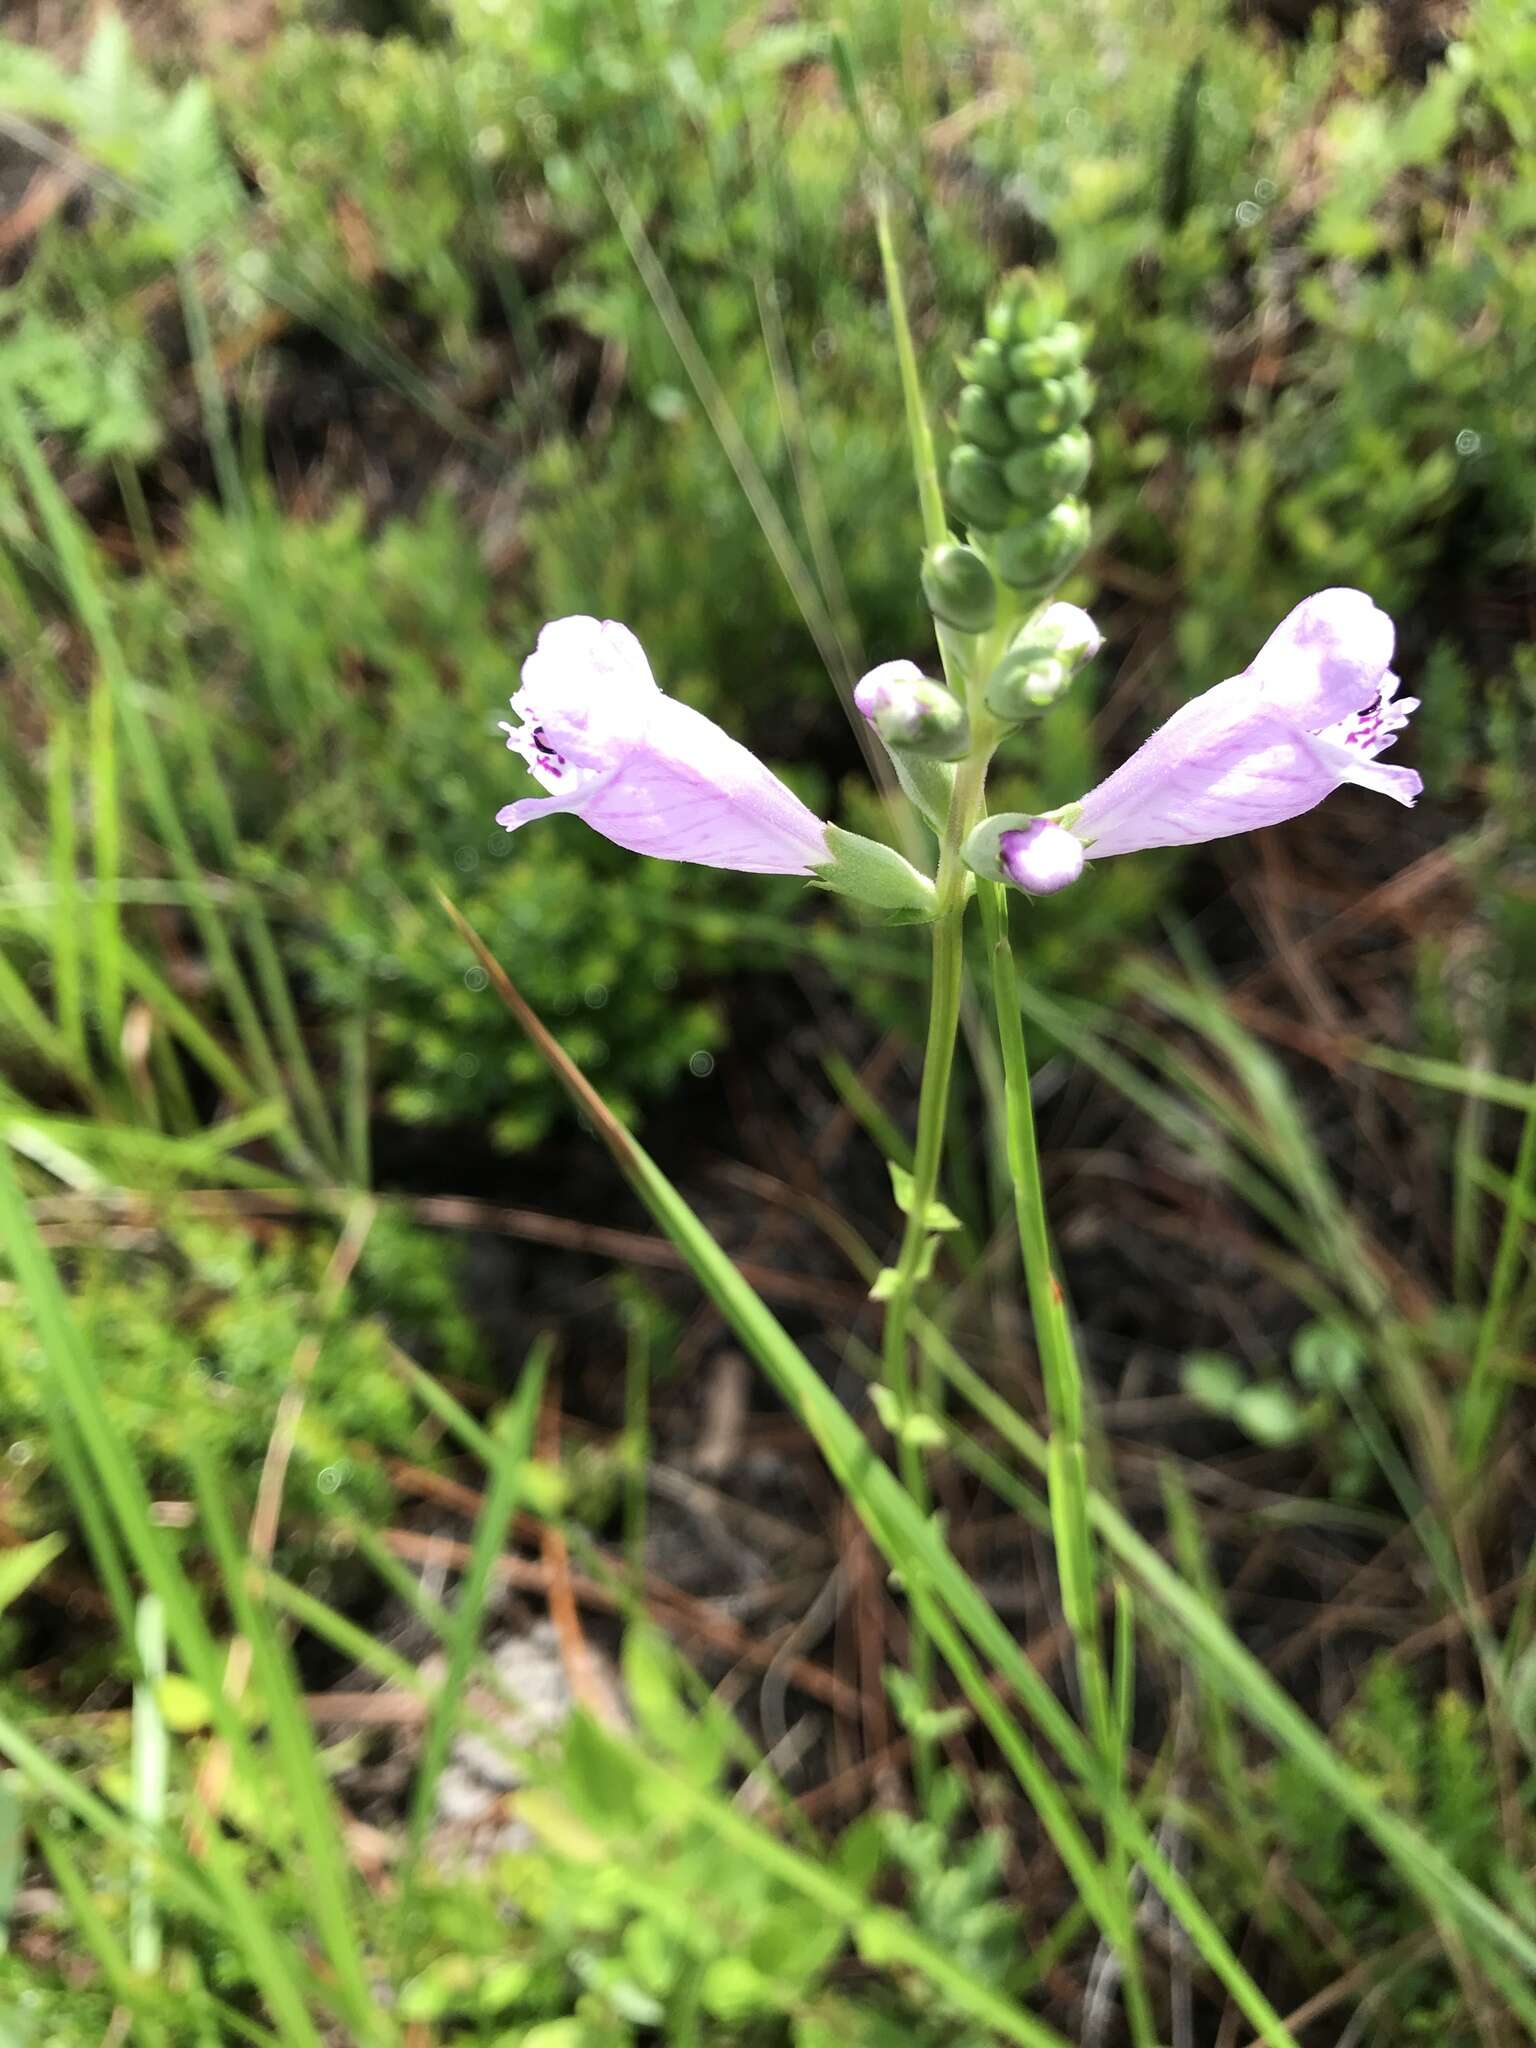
{"x":1067,"y":1454}
{"x":932,"y":1114}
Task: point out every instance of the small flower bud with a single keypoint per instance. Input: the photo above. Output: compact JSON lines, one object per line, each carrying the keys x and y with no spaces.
{"x":1057,"y":351}
{"x":1062,"y":630}
{"x":1040,"y":664}
{"x":1041,"y":857}
{"x":1045,"y":655}
{"x":977,"y":490}
{"x":1000,"y":319}
{"x":1036,"y":556}
{"x":981,"y":419}
{"x":959,"y":588}
{"x":1041,"y":475}
{"x":913,"y":714}
{"x":1036,"y":309}
{"x":1040,"y":410}
{"x":1037,"y":855}
{"x":1025,"y":681}
{"x":987,"y":365}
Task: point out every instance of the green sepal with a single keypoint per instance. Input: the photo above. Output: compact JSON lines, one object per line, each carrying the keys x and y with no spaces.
{"x":982,"y":852}
{"x":876,"y":876}
{"x":928,"y":785}
{"x":987,"y":365}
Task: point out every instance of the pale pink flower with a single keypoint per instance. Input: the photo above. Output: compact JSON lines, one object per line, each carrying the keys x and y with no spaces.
{"x":649,"y":773}
{"x":1313,"y":710}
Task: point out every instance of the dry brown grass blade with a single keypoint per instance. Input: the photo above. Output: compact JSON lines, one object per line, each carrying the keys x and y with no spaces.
{"x":560,"y":1063}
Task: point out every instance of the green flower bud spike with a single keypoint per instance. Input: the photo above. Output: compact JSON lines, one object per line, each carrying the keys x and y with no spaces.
{"x":1020,"y":456}
{"x":959,"y":588}
{"x":913,"y":715}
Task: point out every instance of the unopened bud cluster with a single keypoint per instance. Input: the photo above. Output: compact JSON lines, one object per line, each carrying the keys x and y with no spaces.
{"x":1022,"y":456}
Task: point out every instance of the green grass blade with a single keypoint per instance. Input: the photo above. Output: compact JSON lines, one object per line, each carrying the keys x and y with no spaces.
{"x":298,"y":1767}
{"x":13,"y":1853}
{"x":65,"y":915}
{"x":511,"y":1443}
{"x":107,"y":861}
{"x":19,"y":1567}
{"x":151,"y":1758}
{"x":1486,"y":1394}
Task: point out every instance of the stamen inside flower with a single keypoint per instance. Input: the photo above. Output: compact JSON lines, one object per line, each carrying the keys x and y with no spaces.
{"x":1372,"y":730}
{"x":531,"y":741}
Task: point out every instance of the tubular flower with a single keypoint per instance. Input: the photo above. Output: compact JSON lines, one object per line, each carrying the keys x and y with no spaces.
{"x":1313,"y":710}
{"x":649,"y":773}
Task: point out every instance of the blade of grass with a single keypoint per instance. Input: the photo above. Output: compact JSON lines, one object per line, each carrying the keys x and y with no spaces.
{"x":132,"y":1158}
{"x":64,"y":922}
{"x":106,"y":856}
{"x":511,"y":1442}
{"x":355,"y":1100}
{"x":335,"y":1911}
{"x":13,"y":1853}
{"x":1486,"y":1393}
{"x":1258,"y":1698}
{"x":151,"y":1756}
{"x":97,"y":1935}
{"x":73,"y":553}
